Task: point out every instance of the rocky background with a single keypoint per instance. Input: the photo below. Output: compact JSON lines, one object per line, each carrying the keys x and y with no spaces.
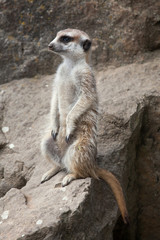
{"x":126,"y":58}
{"x":121,"y":31}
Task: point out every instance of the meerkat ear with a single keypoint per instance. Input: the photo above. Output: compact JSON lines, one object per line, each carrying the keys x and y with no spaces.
{"x":86,"y":45}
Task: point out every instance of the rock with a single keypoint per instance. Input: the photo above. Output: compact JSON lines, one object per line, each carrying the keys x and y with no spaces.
{"x":121,"y":32}
{"x":135,"y":104}
{"x":128,"y":146}
{"x":148,"y":172}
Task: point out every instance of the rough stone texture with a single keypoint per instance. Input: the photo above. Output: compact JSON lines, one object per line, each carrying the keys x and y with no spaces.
{"x":148,"y":172}
{"x":134,"y":100}
{"x":128,"y":145}
{"x":122,"y":30}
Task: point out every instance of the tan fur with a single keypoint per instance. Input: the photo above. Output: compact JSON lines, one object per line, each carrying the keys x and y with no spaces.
{"x":74,"y":117}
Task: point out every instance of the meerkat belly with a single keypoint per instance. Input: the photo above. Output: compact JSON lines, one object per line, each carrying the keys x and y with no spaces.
{"x":67,"y":98}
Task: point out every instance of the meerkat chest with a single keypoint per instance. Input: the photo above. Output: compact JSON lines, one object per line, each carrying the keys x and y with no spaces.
{"x":67,"y":88}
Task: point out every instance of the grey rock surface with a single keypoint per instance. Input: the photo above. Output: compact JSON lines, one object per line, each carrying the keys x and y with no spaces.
{"x":121,"y":32}
{"x":128,"y":146}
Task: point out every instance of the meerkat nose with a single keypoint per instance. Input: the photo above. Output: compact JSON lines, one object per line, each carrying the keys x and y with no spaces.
{"x":50,"y":46}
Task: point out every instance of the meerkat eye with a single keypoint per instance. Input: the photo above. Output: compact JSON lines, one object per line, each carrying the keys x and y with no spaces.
{"x":66,"y":39}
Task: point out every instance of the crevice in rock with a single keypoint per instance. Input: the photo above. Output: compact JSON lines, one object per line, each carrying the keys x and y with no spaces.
{"x":26,"y":199}
{"x":152,"y":34}
{"x":18,"y":179}
{"x":120,"y":231}
{"x":148,"y":171}
{"x":22,"y":182}
{"x":6,"y":184}
{"x":2,"y":146}
{"x":1,"y":172}
{"x":157,"y":24}
{"x":144,"y":170}
{"x":3,"y":140}
{"x":22,"y":48}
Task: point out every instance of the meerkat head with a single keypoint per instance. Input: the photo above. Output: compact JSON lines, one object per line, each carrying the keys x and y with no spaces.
{"x":71,"y":43}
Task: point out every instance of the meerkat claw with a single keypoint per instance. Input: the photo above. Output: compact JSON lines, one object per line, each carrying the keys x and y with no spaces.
{"x":54,"y":135}
{"x":68,"y":138}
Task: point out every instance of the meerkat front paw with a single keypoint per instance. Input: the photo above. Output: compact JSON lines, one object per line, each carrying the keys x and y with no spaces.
{"x":70,"y":127}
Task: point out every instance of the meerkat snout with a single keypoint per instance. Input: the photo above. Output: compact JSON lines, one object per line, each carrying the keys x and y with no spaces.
{"x":50,"y":46}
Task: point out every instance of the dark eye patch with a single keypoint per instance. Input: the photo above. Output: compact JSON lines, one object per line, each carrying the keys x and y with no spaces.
{"x":66,"y":39}
{"x":86,"y":45}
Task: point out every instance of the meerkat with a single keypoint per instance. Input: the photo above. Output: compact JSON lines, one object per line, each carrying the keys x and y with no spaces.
{"x":71,"y":142}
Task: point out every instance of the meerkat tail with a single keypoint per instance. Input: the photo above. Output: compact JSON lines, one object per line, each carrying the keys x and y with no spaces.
{"x":117,"y":190}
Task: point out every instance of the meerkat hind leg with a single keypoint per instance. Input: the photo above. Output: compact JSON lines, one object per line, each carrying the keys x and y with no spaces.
{"x":68,"y":178}
{"x":53,"y":171}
